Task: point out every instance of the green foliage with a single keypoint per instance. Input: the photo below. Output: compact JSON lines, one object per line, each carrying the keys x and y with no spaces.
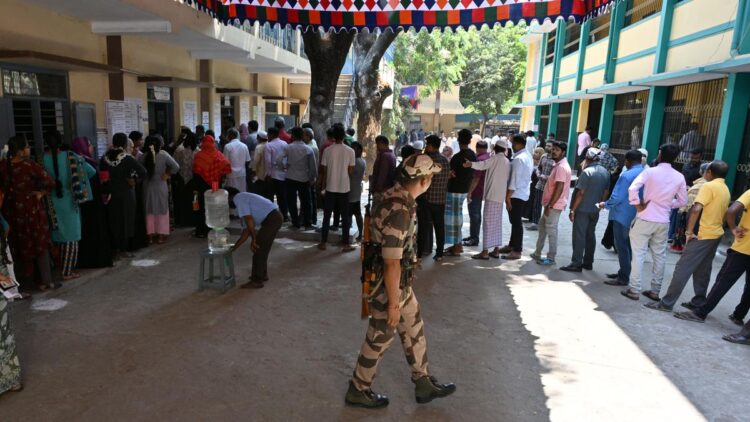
{"x":488,"y":64}
{"x":493,"y":79}
{"x":434,"y":60}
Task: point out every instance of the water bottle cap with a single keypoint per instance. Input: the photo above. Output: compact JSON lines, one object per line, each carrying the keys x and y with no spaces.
{"x":215,"y":186}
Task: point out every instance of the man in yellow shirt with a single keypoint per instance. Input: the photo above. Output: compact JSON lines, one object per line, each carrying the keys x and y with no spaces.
{"x":736,"y":264}
{"x":711,"y":204}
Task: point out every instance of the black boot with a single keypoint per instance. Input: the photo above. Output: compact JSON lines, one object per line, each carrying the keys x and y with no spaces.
{"x":428,"y":388}
{"x":367,"y":399}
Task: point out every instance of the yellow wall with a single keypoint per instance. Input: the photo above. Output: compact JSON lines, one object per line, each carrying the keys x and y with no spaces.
{"x":532,"y":63}
{"x":639,"y":37}
{"x":634,"y":69}
{"x":569,"y":65}
{"x":595,"y":55}
{"x":155,"y":58}
{"x":300,"y":91}
{"x":547,"y":73}
{"x":697,"y":53}
{"x":26,"y":27}
{"x":697,"y":15}
{"x":566,"y":86}
{"x":546,"y":91}
{"x":583,"y":116}
{"x":88,"y":87}
{"x":593,"y":79}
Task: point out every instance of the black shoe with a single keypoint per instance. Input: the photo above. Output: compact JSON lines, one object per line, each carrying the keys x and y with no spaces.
{"x":466,"y":239}
{"x":658,"y":306}
{"x":428,"y":388}
{"x":367,"y":399}
{"x":587,"y":267}
{"x":616,"y":282}
{"x":572,"y":268}
{"x":471,"y":242}
{"x":736,"y":320}
{"x":688,"y":305}
{"x":437,"y":257}
{"x":613,"y":275}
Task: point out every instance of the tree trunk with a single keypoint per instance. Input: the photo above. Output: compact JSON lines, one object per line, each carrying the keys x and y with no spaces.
{"x":327,"y":54}
{"x":369,"y":89}
{"x":483,"y":124}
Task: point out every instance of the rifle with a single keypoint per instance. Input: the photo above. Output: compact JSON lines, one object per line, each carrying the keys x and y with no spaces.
{"x":368,"y":276}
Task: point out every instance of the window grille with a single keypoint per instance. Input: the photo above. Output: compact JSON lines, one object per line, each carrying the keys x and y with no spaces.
{"x":563,"y":121}
{"x":599,"y":28}
{"x":550,"y":49}
{"x":639,"y":10}
{"x":627,"y":124}
{"x":572,"y":39}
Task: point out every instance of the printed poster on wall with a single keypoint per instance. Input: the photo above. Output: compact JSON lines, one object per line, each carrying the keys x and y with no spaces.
{"x":244,"y":111}
{"x":122,"y":116}
{"x":259,"y":116}
{"x":205,"y":119}
{"x":217,"y":119}
{"x":190,"y":114}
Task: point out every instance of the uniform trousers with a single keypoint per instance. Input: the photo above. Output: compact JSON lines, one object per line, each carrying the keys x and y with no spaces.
{"x":695,"y":261}
{"x":380,"y":337}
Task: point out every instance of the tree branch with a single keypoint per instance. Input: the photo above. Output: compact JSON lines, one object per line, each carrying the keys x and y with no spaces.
{"x":378,"y":49}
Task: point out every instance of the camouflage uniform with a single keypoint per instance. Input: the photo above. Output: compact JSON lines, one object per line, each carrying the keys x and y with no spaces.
{"x":393,"y":226}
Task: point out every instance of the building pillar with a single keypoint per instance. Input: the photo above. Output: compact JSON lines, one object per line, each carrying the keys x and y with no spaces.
{"x":606,"y":118}
{"x":652,"y":126}
{"x":542,"y":57}
{"x":554,"y":108}
{"x":740,"y":38}
{"x":114,"y":58}
{"x":559,"y":51}
{"x":665,"y":33}
{"x":613,"y":43}
{"x":573,"y":133}
{"x":204,"y":106}
{"x":733,"y":121}
{"x":537,"y":119}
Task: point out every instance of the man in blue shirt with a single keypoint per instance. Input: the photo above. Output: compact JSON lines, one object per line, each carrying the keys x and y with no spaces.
{"x":622,"y":214}
{"x":255,"y":210}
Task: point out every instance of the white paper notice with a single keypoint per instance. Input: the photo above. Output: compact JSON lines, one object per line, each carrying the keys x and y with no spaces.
{"x":217,"y":119}
{"x":244,"y":111}
{"x":259,"y":112}
{"x":189,"y":114}
{"x":122,"y":117}
{"x":205,"y":119}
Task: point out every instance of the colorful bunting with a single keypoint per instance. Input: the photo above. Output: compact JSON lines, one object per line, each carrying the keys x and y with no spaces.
{"x":382,"y":14}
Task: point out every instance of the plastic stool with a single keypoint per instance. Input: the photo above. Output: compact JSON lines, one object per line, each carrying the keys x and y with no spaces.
{"x":225,"y":279}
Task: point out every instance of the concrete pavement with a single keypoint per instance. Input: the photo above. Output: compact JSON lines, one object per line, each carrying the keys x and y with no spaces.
{"x":522,"y":342}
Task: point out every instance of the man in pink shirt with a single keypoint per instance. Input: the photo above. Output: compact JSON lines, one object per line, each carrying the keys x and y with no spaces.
{"x":584,"y":140}
{"x":554,"y":200}
{"x":663,"y":189}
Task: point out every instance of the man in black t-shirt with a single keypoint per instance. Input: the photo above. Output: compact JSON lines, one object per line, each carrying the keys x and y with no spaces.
{"x":458,"y":188}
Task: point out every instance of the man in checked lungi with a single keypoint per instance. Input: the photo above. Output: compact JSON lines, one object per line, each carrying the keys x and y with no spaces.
{"x":458,"y":188}
{"x":497,"y":172}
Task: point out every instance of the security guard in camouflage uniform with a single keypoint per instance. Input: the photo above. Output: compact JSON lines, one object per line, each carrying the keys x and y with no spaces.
{"x":393,"y":304}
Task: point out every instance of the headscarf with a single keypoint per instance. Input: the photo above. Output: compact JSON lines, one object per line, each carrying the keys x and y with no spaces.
{"x":209,"y":163}
{"x":244,"y":133}
{"x":80,"y":146}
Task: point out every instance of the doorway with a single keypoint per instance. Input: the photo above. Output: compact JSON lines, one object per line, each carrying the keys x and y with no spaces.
{"x":161,"y":112}
{"x":595,"y":114}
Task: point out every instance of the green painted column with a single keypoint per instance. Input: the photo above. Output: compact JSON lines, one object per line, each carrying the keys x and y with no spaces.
{"x":554,"y":109}
{"x":732,"y":124}
{"x":607,"y":116}
{"x":652,"y":126}
{"x":615,"y":27}
{"x":573,"y":133}
{"x":657,"y":95}
{"x":538,"y":109}
{"x":665,"y":32}
{"x":583,"y":43}
{"x":741,"y":37}
{"x":559,"y":51}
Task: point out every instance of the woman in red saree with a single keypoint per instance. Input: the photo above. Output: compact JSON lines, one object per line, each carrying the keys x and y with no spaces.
{"x":209,"y":167}
{"x":26,"y":184}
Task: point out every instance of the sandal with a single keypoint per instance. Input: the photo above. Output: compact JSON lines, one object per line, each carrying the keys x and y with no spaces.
{"x":252,"y":285}
{"x":737,"y":338}
{"x":630,"y":294}
{"x":652,"y":295}
{"x":494,"y":255}
{"x":347,"y":248}
{"x":450,"y":252}
{"x":480,"y":256}
{"x":16,"y":388}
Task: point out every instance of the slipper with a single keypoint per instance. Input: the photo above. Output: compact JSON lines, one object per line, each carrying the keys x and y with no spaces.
{"x":449,"y":252}
{"x":480,"y":256}
{"x":347,"y":248}
{"x":511,"y":257}
{"x":252,"y":285}
{"x":651,"y":295}
{"x":630,"y":294}
{"x":688,"y":316}
{"x":494,"y":255}
{"x":736,"y":338}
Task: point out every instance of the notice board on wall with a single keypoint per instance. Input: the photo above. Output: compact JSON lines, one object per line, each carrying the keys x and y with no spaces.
{"x":122,"y":117}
